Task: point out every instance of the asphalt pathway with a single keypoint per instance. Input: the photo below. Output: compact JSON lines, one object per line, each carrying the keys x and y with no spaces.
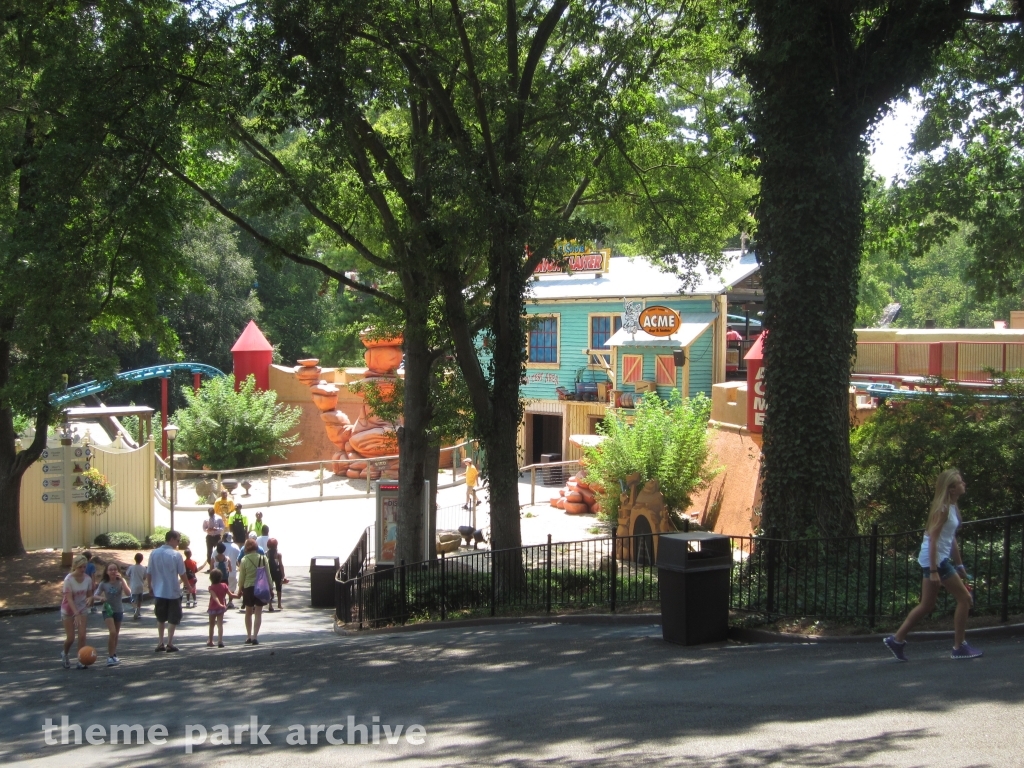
{"x":522,"y":695}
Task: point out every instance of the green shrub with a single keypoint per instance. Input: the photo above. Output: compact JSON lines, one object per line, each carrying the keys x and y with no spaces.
{"x":224,"y":429}
{"x":898,"y":453}
{"x":667,"y":441}
{"x":156,"y":538}
{"x":117,"y":540}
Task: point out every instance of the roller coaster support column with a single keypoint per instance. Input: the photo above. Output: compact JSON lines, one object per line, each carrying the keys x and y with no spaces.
{"x":164,"y":382}
{"x":195,"y":381}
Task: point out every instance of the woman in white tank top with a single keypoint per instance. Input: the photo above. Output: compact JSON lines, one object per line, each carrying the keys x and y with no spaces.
{"x":941,"y":567}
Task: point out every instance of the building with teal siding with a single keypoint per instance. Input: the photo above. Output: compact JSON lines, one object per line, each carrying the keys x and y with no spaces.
{"x":585,"y":356}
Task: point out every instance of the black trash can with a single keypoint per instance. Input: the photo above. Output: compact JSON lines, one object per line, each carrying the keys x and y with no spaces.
{"x":321,"y":582}
{"x":693,"y":577}
{"x":551,"y":475}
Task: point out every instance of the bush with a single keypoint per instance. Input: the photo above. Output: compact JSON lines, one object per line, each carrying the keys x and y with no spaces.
{"x":117,"y":540}
{"x":899,"y":452}
{"x":666,"y":440}
{"x":224,"y":429}
{"x":156,"y":538}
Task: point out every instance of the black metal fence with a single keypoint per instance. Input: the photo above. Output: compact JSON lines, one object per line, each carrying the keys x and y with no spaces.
{"x":860,"y":579}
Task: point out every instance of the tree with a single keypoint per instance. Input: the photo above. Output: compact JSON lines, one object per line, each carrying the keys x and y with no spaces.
{"x":87,"y":221}
{"x":821,"y":74}
{"x":968,"y":167}
{"x":931,"y":278}
{"x":227,"y":429}
{"x":208,"y":311}
{"x":434,"y":143}
{"x":643,"y":146}
{"x":900,"y":451}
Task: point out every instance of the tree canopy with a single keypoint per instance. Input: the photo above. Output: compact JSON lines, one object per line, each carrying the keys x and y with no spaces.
{"x":87,"y":220}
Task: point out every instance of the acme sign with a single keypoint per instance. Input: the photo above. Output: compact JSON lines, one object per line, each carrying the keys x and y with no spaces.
{"x":659,"y":321}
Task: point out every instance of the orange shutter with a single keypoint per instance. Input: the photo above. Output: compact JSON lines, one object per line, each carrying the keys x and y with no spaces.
{"x":632,"y":368}
{"x":665,"y":371}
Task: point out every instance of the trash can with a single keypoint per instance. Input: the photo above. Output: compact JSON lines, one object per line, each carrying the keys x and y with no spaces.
{"x":551,"y":475}
{"x":693,"y":577}
{"x":321,"y":582}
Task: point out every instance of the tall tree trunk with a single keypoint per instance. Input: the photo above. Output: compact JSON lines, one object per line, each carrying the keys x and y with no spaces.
{"x":500,"y":433}
{"x":496,"y":406}
{"x":810,"y":226}
{"x":12,"y":468}
{"x":820,"y":74}
{"x":414,"y":444}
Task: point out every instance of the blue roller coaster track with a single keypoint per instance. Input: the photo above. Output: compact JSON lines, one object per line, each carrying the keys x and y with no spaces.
{"x":77,"y":392}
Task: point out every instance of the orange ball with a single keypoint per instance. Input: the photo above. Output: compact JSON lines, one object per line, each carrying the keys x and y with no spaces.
{"x":87,"y":655}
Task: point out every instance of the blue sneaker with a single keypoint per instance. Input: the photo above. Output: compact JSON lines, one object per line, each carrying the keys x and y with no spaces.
{"x":965,"y":651}
{"x":896,"y":647}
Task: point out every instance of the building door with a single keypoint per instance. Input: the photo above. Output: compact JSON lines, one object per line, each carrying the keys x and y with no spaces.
{"x":547,"y":435}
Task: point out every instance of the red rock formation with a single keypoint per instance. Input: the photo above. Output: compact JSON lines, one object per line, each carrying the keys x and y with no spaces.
{"x":370,"y":436}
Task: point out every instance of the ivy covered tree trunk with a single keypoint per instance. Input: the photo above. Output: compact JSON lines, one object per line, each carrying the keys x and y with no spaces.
{"x":810,"y":226}
{"x":821,"y":74}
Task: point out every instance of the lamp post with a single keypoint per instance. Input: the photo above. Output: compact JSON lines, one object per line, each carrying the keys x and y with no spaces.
{"x":172,"y":432}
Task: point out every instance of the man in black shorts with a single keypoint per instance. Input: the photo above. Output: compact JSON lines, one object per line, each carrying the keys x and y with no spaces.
{"x":166,"y":578}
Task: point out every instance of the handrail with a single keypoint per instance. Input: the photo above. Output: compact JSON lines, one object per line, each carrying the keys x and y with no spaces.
{"x":163,"y":468}
{"x":549,"y":464}
{"x":266,"y":467}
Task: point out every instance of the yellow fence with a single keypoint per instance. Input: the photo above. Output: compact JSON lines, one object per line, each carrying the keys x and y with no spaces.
{"x":130,"y":473}
{"x":958,"y":360}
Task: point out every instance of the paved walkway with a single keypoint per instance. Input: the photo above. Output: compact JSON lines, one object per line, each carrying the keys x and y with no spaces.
{"x":332,"y":528}
{"x":599,"y":697}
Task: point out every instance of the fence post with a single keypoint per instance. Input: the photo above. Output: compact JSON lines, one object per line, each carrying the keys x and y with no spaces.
{"x":494,"y":579}
{"x":533,"y":486}
{"x":401,"y":586}
{"x":614,"y":570}
{"x":359,"y":596}
{"x":549,"y":574}
{"x":321,"y":479}
{"x":444,"y":612}
{"x":770,"y":576}
{"x":270,"y":477}
{"x":1005,"y":597}
{"x":873,"y":565}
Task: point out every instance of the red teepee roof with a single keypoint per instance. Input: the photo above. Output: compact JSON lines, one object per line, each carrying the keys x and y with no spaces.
{"x":756,"y":352}
{"x":252,"y":340}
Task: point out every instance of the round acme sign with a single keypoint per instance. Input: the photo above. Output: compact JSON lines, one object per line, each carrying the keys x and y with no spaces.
{"x":659,"y":321}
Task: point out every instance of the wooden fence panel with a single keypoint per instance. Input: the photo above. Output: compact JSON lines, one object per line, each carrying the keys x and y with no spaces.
{"x":130,"y":472}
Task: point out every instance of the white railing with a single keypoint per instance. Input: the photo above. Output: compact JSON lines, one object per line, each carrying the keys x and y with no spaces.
{"x":375,"y":466}
{"x":548,"y":470}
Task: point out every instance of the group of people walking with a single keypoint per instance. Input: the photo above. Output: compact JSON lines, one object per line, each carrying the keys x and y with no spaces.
{"x":251,"y":574}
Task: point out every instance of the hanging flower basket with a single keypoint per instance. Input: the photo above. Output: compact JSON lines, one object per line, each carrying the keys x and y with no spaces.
{"x":100,"y":492}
